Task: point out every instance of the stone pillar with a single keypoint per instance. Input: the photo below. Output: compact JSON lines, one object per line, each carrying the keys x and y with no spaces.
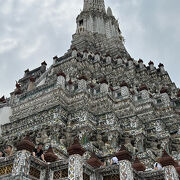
{"x":170,"y":173}
{"x":161,"y":67}
{"x":82,"y":85}
{"x":75,"y":166}
{"x":141,"y":66}
{"x":130,"y":63}
{"x":31,"y":85}
{"x":119,"y":60}
{"x":151,"y":65}
{"x":97,"y":57}
{"x":61,"y":80}
{"x":164,"y":96}
{"x":74,"y":52}
{"x":21,"y":165}
{"x":124,"y":89}
{"x":85,"y":54}
{"x":125,"y":166}
{"x":104,"y":88}
{"x":168,"y":164}
{"x":55,"y":58}
{"x":125,"y":170}
{"x":108,"y":59}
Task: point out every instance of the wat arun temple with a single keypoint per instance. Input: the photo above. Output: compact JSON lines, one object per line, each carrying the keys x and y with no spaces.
{"x":92,"y":104}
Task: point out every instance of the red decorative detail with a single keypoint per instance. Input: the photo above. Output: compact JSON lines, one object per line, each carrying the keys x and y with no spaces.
{"x":108,"y":55}
{"x":132,"y":92}
{"x":97,"y":53}
{"x":18,"y":85}
{"x":118,"y":57}
{"x":94,"y":161}
{"x":70,"y":82}
{"x":138,"y":166}
{"x":103,"y":81}
{"x":124,"y":83}
{"x":61,"y":74}
{"x":151,"y":62}
{"x":91,"y":85}
{"x":143,"y":87}
{"x":32,"y":79}
{"x":44,"y":63}
{"x":178,"y":94}
{"x":140,"y":61}
{"x":2,"y":99}
{"x":163,"y":90}
{"x":83,"y":77}
{"x":76,"y":148}
{"x":26,"y":71}
{"x":161,"y":65}
{"x":55,"y":57}
{"x":111,"y":88}
{"x":123,"y":154}
{"x":18,"y":89}
{"x":166,"y":160}
{"x":26,"y":144}
{"x":130,"y":59}
{"x":74,"y":49}
{"x":49,"y":156}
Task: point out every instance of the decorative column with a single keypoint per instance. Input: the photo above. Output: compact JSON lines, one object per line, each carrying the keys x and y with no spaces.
{"x":75,"y":167}
{"x":164,"y":96}
{"x":55,"y":59}
{"x":50,"y":157}
{"x":104,"y":86}
{"x":125,"y":166}
{"x":130,"y":63}
{"x":161,"y":67}
{"x":141,"y":65}
{"x":108,"y":59}
{"x":119,"y":60}
{"x":124,"y":89}
{"x":82,"y":83}
{"x":168,"y":164}
{"x":74,"y":52}
{"x":97,"y":57}
{"x":95,"y":163}
{"x":21,"y":165}
{"x":144,"y":92}
{"x":61,"y":80}
{"x":31,"y":85}
{"x":151,"y":65}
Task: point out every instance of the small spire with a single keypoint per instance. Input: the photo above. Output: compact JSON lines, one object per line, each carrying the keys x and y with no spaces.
{"x":76,"y":148}
{"x":50,"y":156}
{"x":94,"y":161}
{"x":26,"y":144}
{"x":138,"y":166}
{"x":123,"y":154}
{"x":166,"y":159}
{"x":109,"y":12}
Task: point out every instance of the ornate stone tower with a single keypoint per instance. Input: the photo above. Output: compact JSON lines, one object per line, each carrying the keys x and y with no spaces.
{"x":98,"y":30}
{"x":87,"y":105}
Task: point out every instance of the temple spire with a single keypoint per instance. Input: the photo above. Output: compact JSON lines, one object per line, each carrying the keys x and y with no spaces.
{"x":94,"y":5}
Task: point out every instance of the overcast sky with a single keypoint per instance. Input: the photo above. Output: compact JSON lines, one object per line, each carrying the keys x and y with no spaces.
{"x":32,"y":31}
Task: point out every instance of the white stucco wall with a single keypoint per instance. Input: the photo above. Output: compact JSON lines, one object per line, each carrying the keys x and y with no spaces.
{"x":5,"y":112}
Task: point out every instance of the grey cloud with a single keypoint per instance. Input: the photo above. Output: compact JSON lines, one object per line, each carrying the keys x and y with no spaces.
{"x":32,"y":31}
